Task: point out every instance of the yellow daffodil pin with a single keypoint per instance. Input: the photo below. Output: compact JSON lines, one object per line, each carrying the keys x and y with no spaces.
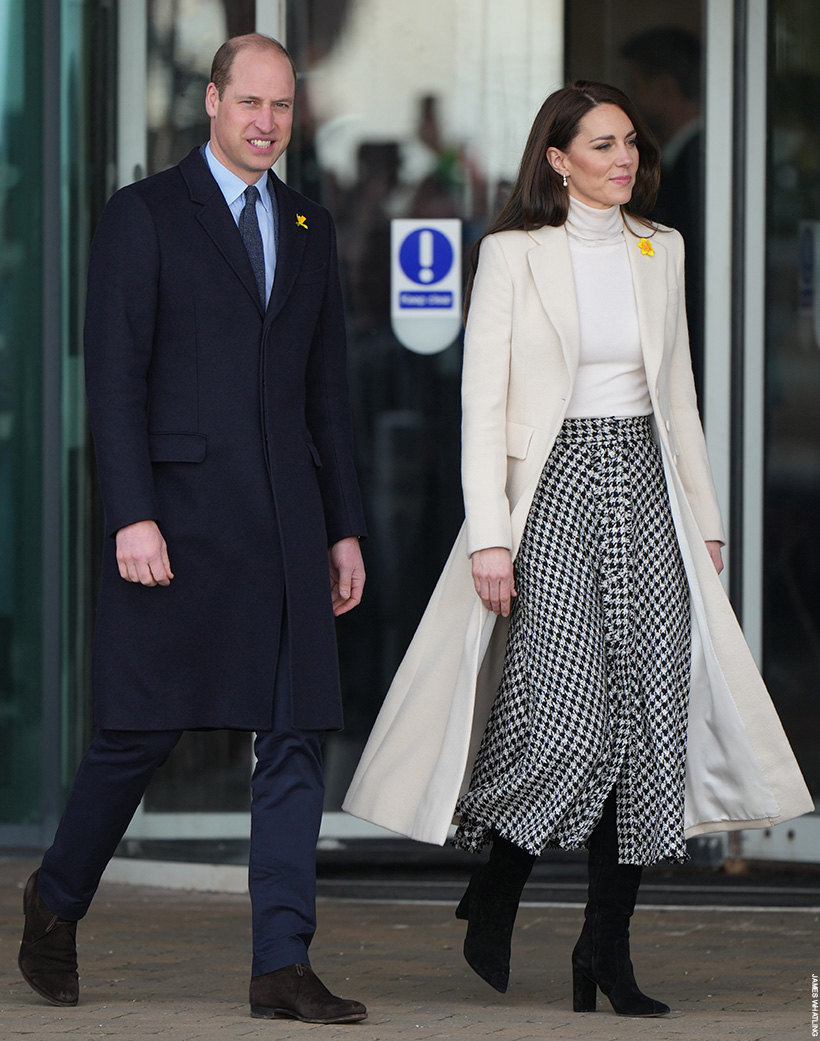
{"x":301,"y":220}
{"x":646,"y":247}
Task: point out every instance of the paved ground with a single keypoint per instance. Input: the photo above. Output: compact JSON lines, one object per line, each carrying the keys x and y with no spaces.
{"x":160,"y":964}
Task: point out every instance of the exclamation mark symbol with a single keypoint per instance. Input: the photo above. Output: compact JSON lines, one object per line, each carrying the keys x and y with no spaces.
{"x":426,"y":256}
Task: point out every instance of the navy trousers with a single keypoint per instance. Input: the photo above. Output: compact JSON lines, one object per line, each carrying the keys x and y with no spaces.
{"x":286,"y":810}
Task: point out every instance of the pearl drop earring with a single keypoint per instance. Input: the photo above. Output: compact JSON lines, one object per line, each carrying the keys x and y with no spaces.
{"x":565,"y":180}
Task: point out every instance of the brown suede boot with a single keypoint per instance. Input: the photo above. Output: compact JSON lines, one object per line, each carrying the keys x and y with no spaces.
{"x":296,"y":992}
{"x":48,"y":952}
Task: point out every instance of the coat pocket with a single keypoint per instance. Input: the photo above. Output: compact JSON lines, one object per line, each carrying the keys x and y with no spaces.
{"x":177,"y":448}
{"x":518,"y":440}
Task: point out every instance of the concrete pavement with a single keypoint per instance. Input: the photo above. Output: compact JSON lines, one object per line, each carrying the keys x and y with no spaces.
{"x":161,"y":964}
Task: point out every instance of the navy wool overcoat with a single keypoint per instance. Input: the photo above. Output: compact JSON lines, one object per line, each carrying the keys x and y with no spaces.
{"x":230,"y":427}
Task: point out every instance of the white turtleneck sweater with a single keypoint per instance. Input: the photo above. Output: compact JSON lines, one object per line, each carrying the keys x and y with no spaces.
{"x":611,"y":379}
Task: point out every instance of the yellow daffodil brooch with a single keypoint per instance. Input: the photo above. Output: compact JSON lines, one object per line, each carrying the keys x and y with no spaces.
{"x":646,"y":247}
{"x":301,"y":220}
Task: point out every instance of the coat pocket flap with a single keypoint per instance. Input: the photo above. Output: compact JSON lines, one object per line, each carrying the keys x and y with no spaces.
{"x":518,"y":440}
{"x":177,"y":448}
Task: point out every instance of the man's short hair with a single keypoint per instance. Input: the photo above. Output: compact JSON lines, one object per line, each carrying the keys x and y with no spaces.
{"x":671,"y":50}
{"x":225,"y":56}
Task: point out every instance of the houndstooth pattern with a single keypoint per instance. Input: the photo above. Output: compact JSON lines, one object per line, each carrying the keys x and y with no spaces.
{"x":595,"y":687}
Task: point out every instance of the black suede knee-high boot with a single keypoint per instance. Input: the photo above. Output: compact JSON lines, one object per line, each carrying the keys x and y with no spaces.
{"x":601,"y":956}
{"x":490,"y":906}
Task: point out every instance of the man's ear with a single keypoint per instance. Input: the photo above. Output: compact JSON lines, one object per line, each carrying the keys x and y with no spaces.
{"x":211,"y":99}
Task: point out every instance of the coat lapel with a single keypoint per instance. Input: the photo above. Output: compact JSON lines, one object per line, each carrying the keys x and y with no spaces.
{"x":651,"y":296}
{"x":216,"y":219}
{"x":291,"y":239}
{"x":551,"y":269}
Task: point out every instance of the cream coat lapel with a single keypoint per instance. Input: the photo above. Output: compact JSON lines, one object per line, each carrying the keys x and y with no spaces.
{"x":651,"y":297}
{"x":551,"y":269}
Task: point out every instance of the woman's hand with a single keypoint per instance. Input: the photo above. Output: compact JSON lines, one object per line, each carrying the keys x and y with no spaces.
{"x":714,"y":552}
{"x":493,"y":578}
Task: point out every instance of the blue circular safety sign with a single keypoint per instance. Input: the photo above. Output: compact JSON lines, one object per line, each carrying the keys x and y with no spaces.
{"x":426,"y":256}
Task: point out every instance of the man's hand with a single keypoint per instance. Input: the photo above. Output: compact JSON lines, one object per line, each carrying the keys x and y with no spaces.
{"x":716,"y":555}
{"x":346,"y":574}
{"x":142,"y":554}
{"x":493,"y":578}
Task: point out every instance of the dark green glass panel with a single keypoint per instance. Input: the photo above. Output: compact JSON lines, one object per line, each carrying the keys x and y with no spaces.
{"x":21,"y":275}
{"x":791,"y":600}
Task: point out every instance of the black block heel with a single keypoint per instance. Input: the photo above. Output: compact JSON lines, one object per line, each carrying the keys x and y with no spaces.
{"x":601,"y":957}
{"x":584,"y":991}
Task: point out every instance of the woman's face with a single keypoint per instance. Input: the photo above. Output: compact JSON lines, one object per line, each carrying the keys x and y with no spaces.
{"x":602,"y":160}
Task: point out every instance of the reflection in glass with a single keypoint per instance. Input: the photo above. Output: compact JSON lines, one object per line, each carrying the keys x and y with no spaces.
{"x":183,"y":36}
{"x":656,"y":58}
{"x":86,"y":153}
{"x":406,"y":111}
{"x":209,"y":771}
{"x":791,"y":618}
{"x":21,"y":280}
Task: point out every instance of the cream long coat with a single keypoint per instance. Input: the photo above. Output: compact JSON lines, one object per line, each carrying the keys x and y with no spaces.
{"x":520,"y":359}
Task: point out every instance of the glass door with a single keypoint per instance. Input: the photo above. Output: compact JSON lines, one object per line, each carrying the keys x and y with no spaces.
{"x":790,"y":431}
{"x":22,"y":272}
{"x":165,"y":52}
{"x":420,"y":110}
{"x":403,"y":110}
{"x":406,"y":111}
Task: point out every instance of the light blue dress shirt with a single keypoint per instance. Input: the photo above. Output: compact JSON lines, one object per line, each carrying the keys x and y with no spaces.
{"x":233,"y":188}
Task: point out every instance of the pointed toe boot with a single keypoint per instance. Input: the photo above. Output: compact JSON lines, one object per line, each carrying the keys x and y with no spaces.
{"x":601,"y":958}
{"x":490,"y":906}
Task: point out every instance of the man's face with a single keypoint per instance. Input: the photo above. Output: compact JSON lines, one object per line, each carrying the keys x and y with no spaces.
{"x":251,"y":122}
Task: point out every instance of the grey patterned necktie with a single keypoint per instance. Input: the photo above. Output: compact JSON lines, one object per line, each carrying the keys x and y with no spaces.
{"x":252,"y":237}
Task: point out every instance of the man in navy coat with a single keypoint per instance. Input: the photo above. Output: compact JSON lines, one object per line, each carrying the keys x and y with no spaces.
{"x":215,"y":365}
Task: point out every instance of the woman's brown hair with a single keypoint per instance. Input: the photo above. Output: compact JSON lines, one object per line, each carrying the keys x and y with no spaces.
{"x":538,"y":197}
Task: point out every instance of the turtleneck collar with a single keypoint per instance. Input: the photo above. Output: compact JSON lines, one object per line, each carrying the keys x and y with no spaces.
{"x":594,"y":227}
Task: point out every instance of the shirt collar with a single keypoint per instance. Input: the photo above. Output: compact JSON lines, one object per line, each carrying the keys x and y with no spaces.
{"x":231,"y":186}
{"x":679,"y":140}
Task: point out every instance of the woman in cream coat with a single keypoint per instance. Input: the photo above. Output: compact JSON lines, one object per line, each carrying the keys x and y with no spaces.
{"x":589,"y":738}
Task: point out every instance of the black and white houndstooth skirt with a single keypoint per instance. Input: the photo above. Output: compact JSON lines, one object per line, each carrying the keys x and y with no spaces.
{"x":595,"y":687}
